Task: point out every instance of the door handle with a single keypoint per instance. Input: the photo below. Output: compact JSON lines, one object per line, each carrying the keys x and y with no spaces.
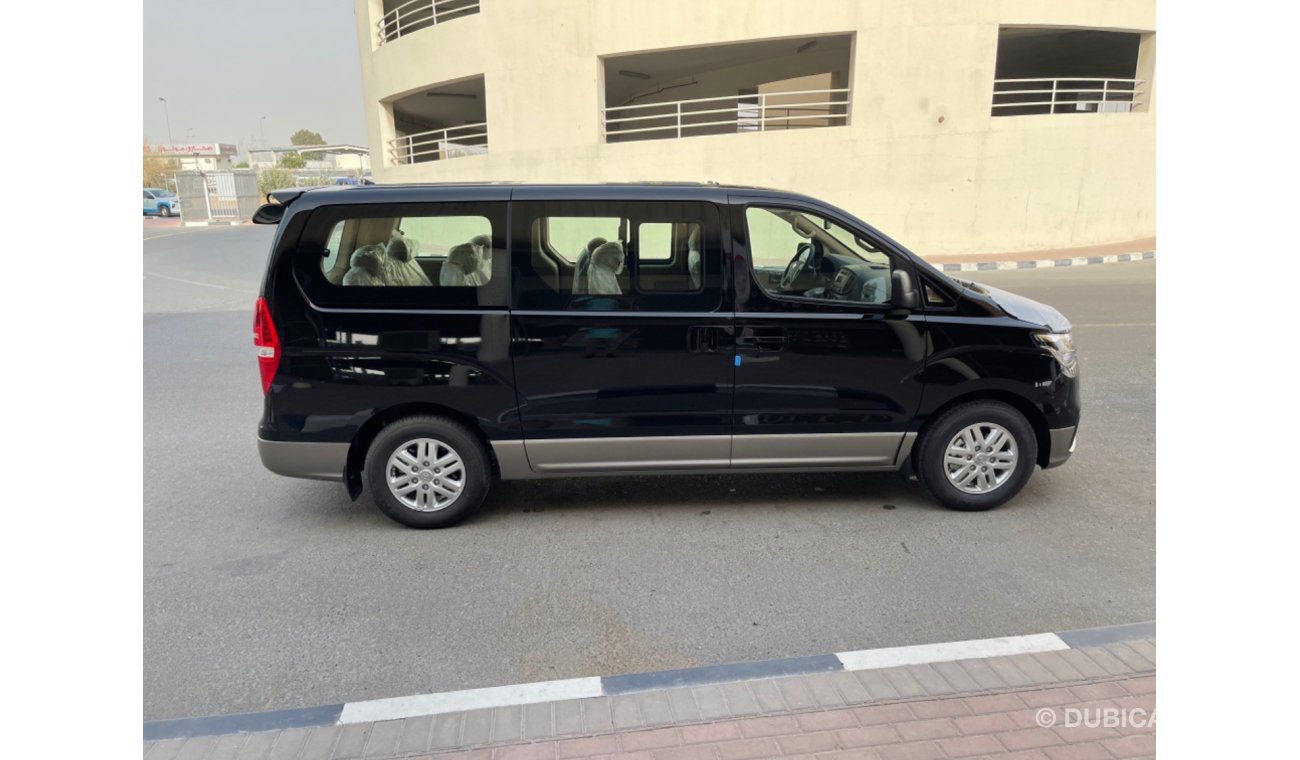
{"x":762,"y":342}
{"x":704,"y":340}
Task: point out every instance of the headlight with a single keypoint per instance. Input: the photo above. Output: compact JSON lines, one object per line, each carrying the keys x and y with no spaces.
{"x":1061,"y":347}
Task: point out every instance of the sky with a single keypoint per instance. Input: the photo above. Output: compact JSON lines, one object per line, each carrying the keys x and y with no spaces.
{"x":223,"y":66}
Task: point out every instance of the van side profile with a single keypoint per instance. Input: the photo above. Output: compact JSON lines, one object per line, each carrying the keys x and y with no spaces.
{"x":423,"y":340}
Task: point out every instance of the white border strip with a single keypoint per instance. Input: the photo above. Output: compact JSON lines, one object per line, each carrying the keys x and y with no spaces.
{"x":471,"y":699}
{"x":867,"y":659}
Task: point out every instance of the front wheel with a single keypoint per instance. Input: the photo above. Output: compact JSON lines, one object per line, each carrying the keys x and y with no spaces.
{"x":977,"y":455}
{"x":165,"y":210}
{"x":427,"y":472}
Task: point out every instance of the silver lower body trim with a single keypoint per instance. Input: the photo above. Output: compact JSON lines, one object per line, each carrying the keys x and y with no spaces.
{"x":674,"y":452}
{"x":568,"y":457}
{"x":815,"y":450}
{"x":512,"y":460}
{"x":1062,"y":440}
{"x":311,"y":460}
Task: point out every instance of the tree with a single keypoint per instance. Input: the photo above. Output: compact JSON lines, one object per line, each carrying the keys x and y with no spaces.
{"x":292,"y":160}
{"x":157,"y":168}
{"x":274,"y":179}
{"x":241,"y":165}
{"x":306,"y":137}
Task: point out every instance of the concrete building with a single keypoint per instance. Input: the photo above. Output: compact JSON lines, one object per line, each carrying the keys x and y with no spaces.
{"x":954,"y":126}
{"x":200,"y":157}
{"x":351,"y":159}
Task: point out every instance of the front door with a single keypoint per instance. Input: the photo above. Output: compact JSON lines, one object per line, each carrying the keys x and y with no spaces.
{"x":622,"y":345}
{"x":826,"y":370}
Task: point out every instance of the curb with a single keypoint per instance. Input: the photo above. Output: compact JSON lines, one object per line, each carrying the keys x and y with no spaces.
{"x":981,"y":266}
{"x":579,"y":688}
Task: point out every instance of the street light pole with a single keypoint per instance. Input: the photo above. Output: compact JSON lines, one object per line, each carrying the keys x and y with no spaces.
{"x":167,"y":116}
{"x":262,"y":124}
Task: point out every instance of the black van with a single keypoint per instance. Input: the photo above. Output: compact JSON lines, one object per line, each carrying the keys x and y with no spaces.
{"x":424,"y":339}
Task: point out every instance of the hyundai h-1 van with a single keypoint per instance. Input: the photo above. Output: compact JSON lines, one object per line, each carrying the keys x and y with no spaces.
{"x":420,"y":341}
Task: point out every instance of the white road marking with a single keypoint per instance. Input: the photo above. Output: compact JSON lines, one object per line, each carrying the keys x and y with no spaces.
{"x":868,"y":659}
{"x":472,"y":699}
{"x":194,"y":282}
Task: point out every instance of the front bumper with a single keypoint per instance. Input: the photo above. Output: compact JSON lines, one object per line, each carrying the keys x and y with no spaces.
{"x":1062,"y":441}
{"x":311,"y":460}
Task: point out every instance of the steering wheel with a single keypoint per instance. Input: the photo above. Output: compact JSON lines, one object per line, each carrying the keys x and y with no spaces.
{"x":807,"y":260}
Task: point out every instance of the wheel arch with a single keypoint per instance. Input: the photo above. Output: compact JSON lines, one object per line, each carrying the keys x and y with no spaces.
{"x":1037,"y":420}
{"x":366,"y":434}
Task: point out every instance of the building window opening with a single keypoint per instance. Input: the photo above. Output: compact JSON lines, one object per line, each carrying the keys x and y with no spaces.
{"x":444,"y":122}
{"x":761,"y":86}
{"x":402,"y":17}
{"x":1061,"y":71}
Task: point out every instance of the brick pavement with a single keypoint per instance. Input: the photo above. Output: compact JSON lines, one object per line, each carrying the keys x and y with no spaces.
{"x":1100,"y":699}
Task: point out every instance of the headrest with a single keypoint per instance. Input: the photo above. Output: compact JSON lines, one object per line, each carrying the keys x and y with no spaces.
{"x":398,"y":249}
{"x":608,"y":256}
{"x":368,"y":258}
{"x":463,"y":256}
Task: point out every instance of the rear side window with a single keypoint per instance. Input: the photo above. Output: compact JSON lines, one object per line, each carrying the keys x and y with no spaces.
{"x":448,"y":255}
{"x":421,"y":251}
{"x":617,"y":255}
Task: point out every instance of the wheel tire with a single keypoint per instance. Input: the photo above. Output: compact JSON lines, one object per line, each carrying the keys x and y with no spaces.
{"x":476,"y":471}
{"x":165,"y":210}
{"x":932,"y":464}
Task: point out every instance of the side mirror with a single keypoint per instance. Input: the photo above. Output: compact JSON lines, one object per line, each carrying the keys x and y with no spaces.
{"x":904,"y":295}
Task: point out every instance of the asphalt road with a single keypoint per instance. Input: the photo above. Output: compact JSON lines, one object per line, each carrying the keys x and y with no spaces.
{"x":262,"y":592}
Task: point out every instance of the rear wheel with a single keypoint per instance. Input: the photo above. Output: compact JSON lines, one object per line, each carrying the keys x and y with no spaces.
{"x":165,"y":210}
{"x":427,"y":472}
{"x":977,"y":455}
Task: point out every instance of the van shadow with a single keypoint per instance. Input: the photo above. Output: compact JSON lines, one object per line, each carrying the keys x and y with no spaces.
{"x":615,"y":494}
{"x":705,"y":492}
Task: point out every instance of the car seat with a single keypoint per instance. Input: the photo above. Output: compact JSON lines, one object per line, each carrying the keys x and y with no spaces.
{"x":602,"y":274}
{"x":400,"y":268}
{"x":462,"y":268}
{"x":483,"y":249}
{"x":584,"y":263}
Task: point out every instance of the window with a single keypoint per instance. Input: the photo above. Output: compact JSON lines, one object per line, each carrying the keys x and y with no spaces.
{"x":409,"y":255}
{"x":803,"y":255}
{"x":421,"y":251}
{"x":570,"y":235}
{"x":660,"y":248}
{"x":1045,"y":70}
{"x":616,"y":255}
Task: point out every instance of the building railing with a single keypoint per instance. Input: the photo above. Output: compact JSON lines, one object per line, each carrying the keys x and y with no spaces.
{"x":1019,"y":97}
{"x":727,"y":114}
{"x":438,"y":144}
{"x":414,"y":15}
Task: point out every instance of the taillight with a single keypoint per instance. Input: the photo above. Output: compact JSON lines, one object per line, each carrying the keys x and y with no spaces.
{"x":267,"y":342}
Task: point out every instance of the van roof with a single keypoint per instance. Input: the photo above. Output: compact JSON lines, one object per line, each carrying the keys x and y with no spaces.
{"x":564,"y":185}
{"x":416,"y":192}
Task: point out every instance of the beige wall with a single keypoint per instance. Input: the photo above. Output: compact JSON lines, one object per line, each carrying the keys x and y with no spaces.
{"x":922,"y":159}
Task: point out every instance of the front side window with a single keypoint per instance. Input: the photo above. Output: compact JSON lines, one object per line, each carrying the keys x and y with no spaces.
{"x":802,"y":255}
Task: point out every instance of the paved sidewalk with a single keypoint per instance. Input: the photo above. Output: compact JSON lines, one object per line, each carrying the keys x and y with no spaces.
{"x":1107,"y":251}
{"x":1086,"y":701}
